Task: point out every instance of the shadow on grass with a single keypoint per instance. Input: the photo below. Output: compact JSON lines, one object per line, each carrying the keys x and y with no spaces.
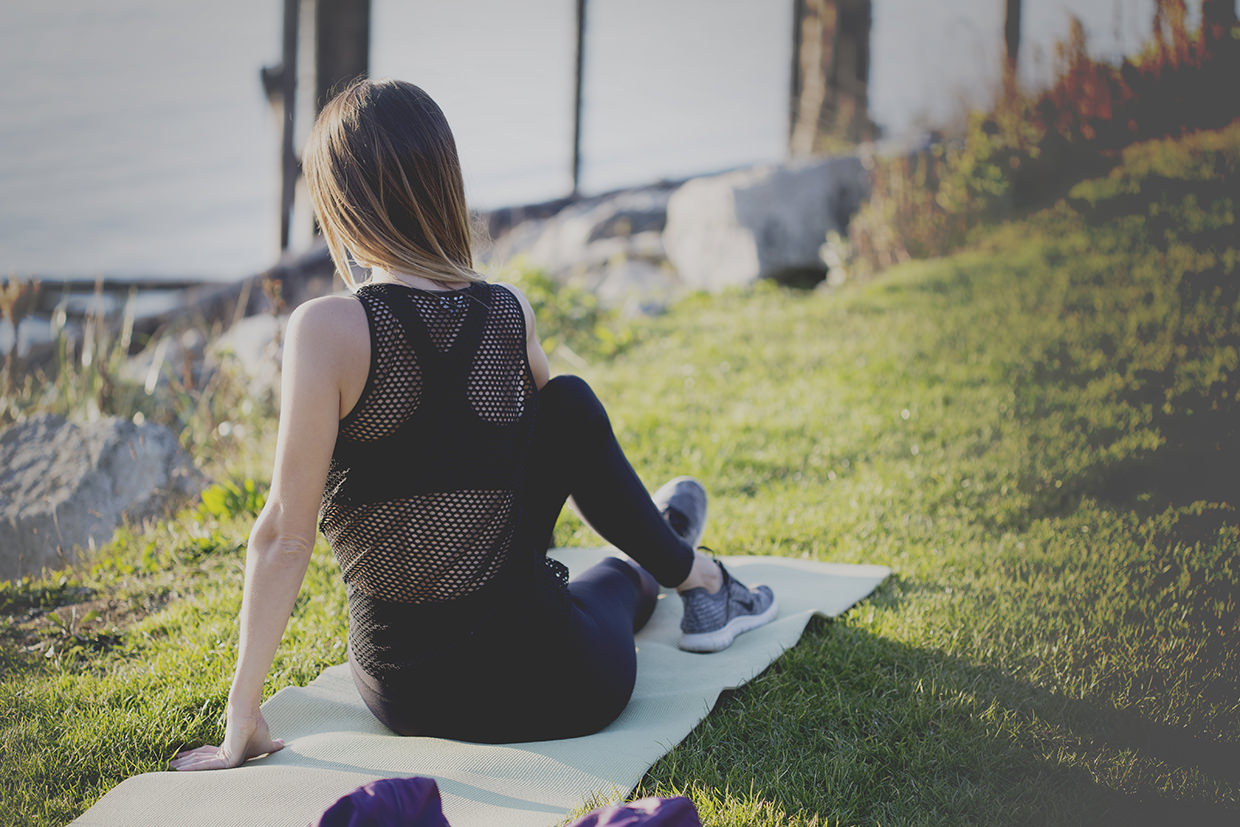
{"x":1199,"y":455}
{"x":850,"y":727}
{"x":1197,"y":459}
{"x":1194,"y":404}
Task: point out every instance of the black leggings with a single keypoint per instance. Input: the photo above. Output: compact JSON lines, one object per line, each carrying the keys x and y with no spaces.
{"x":574,"y":453}
{"x":573,"y":674}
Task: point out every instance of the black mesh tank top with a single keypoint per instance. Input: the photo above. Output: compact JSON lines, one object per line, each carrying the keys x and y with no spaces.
{"x":422,"y":505}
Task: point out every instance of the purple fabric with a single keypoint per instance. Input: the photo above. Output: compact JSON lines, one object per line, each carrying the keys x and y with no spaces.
{"x":414,"y":802}
{"x":409,"y":802}
{"x":648,"y":812}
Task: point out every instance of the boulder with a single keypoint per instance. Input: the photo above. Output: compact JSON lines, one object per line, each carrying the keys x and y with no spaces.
{"x":255,"y":347}
{"x":589,"y":233}
{"x":764,"y":222}
{"x":65,"y":487}
{"x":174,"y":355}
{"x":611,"y":245}
{"x":250,"y":349}
{"x":635,"y":287}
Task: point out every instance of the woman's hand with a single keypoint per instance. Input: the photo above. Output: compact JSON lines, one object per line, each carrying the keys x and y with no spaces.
{"x":245,"y":737}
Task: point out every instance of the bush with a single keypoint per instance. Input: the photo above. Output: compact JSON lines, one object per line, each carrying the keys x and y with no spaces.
{"x":1029,"y":149}
{"x":571,"y":323}
{"x":926,"y":204}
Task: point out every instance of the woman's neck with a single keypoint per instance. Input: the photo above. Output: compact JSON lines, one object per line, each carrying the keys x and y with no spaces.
{"x":378,"y":274}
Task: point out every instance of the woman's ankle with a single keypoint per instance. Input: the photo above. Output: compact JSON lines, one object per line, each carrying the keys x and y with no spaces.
{"x":705,"y":574}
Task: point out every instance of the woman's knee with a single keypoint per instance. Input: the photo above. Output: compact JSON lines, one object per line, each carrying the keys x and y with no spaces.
{"x":569,"y":399}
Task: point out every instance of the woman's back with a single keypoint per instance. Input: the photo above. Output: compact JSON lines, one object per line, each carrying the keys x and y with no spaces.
{"x":421,"y":504}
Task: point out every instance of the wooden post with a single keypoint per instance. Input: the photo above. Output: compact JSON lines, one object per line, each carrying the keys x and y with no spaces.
{"x":850,"y":72}
{"x":813,"y":47}
{"x":290,"y":166}
{"x":829,"y":98}
{"x":794,"y":87}
{"x":341,"y":45}
{"x":577,"y":94}
{"x":1011,"y":41}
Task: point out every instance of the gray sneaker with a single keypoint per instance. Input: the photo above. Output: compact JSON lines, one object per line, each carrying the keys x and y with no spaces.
{"x":712,"y":621}
{"x":682,"y":502}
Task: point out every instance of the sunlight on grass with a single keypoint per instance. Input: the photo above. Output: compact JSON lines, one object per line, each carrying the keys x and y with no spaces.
{"x":1038,"y":435}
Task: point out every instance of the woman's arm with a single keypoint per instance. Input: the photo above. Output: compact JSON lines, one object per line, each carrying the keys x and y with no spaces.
{"x":326,"y":345}
{"x":533,"y":348}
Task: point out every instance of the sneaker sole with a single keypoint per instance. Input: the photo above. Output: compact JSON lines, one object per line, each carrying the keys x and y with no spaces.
{"x":722,"y":638}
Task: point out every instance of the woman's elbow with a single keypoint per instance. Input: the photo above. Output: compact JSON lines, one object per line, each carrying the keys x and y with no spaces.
{"x":274,"y":538}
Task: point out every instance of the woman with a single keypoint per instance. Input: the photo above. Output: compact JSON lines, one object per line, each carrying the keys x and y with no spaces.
{"x":421,"y":430}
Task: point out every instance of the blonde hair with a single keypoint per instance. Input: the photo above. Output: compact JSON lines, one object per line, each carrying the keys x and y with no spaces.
{"x":385,"y":181}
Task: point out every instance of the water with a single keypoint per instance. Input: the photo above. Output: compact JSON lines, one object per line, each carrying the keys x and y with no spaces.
{"x":135,"y":139}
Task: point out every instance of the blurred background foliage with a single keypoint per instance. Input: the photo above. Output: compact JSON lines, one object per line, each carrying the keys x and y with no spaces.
{"x":1030,"y":147}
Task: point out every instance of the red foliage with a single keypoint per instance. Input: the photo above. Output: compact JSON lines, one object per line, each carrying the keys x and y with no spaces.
{"x":1028,"y":149}
{"x":1182,"y":81}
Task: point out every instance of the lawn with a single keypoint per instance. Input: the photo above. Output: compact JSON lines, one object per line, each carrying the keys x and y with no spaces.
{"x":1038,"y":435}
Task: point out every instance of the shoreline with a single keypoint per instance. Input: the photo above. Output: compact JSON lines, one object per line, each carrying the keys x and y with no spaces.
{"x":107,"y":295}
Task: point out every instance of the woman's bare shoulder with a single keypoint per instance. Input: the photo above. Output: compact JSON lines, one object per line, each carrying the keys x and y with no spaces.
{"x":338,"y":308}
{"x":330,"y":324}
{"x":335,"y":315}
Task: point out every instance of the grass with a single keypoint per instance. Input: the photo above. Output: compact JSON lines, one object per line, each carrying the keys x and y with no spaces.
{"x":1038,"y":435}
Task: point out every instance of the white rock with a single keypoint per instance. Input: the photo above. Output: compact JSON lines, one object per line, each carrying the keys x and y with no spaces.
{"x":764,"y":222}
{"x":178,"y":357}
{"x":66,"y":487}
{"x":636,"y":287}
{"x":254,"y":345}
{"x":589,"y":234}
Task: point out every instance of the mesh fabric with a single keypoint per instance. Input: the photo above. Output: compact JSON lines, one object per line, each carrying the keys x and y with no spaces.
{"x":422,"y":504}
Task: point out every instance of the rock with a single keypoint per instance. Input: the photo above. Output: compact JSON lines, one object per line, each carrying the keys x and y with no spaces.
{"x":255,"y":346}
{"x":175,"y":355}
{"x":250,"y":349}
{"x":765,"y":222}
{"x":635,"y":287}
{"x":589,"y":233}
{"x":610,"y":245}
{"x":66,"y":487}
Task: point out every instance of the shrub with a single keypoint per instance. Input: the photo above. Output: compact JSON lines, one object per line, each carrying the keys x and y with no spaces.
{"x":1030,"y":148}
{"x":571,"y":323}
{"x":925,"y":204}
{"x":229,"y":499}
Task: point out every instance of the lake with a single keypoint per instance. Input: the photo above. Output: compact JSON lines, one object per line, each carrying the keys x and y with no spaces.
{"x":135,"y":139}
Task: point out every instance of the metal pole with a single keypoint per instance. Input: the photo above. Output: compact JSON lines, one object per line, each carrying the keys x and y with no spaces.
{"x":577,"y":93}
{"x":289,"y":165}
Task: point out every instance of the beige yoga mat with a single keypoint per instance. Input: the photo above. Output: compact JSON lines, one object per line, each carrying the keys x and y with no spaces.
{"x":334,"y":744}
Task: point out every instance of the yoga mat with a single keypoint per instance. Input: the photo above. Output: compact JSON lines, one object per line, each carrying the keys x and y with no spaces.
{"x":335,"y":745}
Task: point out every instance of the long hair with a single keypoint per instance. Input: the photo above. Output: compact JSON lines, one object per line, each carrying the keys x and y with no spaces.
{"x":385,"y":181}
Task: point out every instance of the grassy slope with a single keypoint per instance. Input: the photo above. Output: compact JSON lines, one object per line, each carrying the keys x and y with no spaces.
{"x":1039,"y":436}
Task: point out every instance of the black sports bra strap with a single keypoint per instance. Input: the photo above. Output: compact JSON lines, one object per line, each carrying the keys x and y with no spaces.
{"x":476,"y":302}
{"x":477,"y":307}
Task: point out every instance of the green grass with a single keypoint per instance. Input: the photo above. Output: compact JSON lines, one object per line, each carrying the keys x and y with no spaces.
{"x":1039,"y":435}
